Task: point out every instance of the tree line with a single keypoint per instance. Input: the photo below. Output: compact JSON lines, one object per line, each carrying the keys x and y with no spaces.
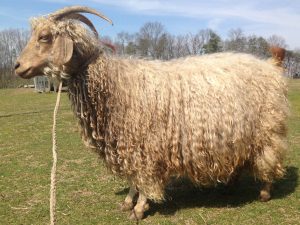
{"x":153,"y":41}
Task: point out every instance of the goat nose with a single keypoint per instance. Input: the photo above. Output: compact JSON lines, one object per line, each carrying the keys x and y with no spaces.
{"x":17,"y":65}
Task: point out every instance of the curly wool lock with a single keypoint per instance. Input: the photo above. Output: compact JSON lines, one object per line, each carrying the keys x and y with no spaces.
{"x":202,"y":117}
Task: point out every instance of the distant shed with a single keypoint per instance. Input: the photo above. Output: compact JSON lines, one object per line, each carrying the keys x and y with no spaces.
{"x":47,"y":84}
{"x":41,"y":84}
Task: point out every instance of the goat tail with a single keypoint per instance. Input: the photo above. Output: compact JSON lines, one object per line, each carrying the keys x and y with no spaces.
{"x":278,"y":55}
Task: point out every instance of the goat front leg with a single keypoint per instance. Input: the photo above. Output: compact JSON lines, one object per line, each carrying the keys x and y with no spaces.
{"x":140,"y":208}
{"x":128,"y":202}
{"x":265,"y":193}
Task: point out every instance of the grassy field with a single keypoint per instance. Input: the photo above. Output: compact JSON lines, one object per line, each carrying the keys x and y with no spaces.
{"x":88,"y":194}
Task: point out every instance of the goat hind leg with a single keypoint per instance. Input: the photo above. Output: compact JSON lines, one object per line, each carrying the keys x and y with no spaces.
{"x":128,"y":202}
{"x":265,"y":192}
{"x":268,"y":167}
{"x":140,"y":208}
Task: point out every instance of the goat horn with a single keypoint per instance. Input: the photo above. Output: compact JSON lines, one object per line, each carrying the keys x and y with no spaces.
{"x":83,"y":19}
{"x":59,"y":14}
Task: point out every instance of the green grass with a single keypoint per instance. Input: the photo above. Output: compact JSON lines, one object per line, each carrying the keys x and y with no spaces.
{"x":88,"y":194}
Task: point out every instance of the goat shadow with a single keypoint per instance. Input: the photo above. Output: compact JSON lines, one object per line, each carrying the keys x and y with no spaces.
{"x":182,"y":194}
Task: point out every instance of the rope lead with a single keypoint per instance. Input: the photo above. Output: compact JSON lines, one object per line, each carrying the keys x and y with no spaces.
{"x":54,"y":152}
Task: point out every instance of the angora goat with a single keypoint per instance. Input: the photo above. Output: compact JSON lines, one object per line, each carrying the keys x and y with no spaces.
{"x":202,"y":117}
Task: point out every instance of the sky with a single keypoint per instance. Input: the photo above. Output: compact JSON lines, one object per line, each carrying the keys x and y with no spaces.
{"x":259,"y":17}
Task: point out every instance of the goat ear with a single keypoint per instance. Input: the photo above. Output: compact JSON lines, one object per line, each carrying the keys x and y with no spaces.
{"x":62,"y":50}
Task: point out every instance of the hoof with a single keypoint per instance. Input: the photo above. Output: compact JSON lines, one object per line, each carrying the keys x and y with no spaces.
{"x":126,"y":206}
{"x":146,"y":207}
{"x":264,"y":196}
{"x":136,"y":215}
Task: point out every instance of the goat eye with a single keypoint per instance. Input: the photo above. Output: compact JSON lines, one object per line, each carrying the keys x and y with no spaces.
{"x":45,"y":38}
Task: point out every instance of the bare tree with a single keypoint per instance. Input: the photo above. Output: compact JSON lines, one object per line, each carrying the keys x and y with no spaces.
{"x":12,"y":41}
{"x":236,"y":41}
{"x":151,"y":40}
{"x":278,"y":41}
{"x":257,"y":46}
{"x":195,"y":42}
{"x":125,"y":43}
{"x":180,"y":46}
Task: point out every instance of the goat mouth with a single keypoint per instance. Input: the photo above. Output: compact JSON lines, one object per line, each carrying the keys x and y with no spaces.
{"x":26,"y":74}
